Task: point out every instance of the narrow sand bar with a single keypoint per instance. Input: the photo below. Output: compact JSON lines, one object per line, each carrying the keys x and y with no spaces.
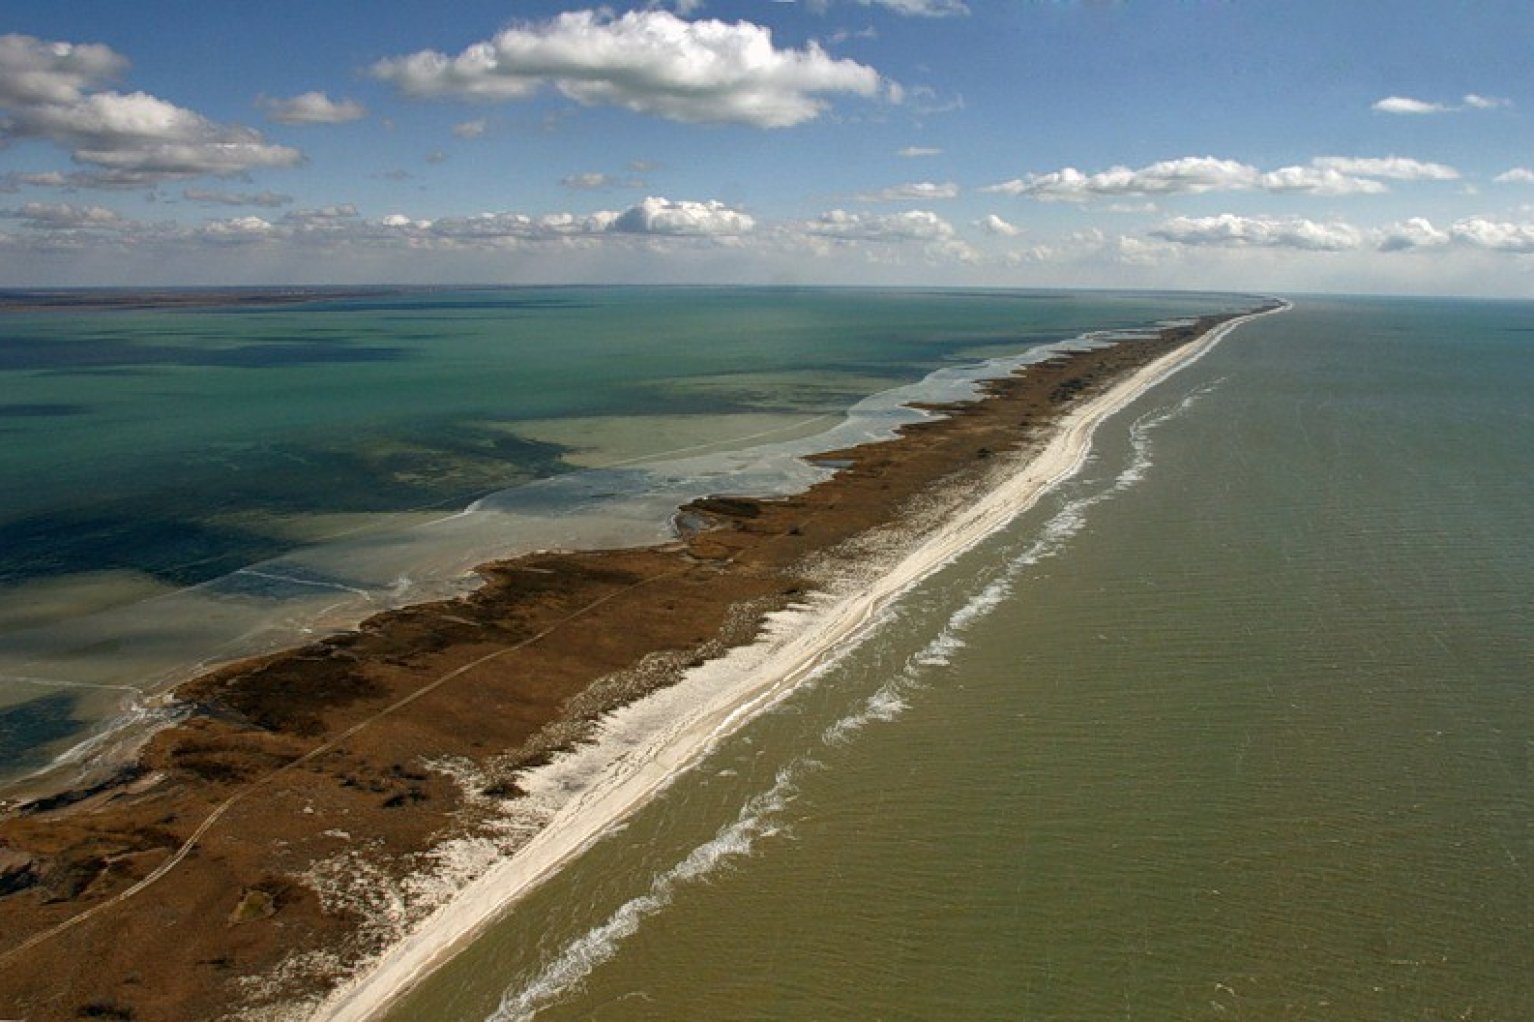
{"x":717,"y":699}
{"x":329,"y":823}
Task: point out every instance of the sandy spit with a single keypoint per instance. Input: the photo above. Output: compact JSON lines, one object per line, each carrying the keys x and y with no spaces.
{"x":647,"y":745}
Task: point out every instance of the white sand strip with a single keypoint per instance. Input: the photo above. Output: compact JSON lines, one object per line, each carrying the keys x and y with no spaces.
{"x":647,"y":745}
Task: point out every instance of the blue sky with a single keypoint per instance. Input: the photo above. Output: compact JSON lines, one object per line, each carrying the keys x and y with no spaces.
{"x":1379,"y":147}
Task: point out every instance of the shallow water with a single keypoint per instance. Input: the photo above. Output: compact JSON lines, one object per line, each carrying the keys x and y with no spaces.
{"x":183,"y":487}
{"x":1240,"y":723}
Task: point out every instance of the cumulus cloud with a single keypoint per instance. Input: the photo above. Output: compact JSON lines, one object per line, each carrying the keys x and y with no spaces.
{"x":62,"y":216}
{"x":912,"y":152}
{"x":1231,"y":231}
{"x":654,"y":218}
{"x":494,"y":230}
{"x":1396,"y":168}
{"x":240,"y":230}
{"x":340,"y":228}
{"x":1414,"y":233}
{"x":1497,"y":236}
{"x":38,"y":73}
{"x":1191,"y":175}
{"x":1411,"y":235}
{"x":918,"y":191}
{"x":662,"y":216}
{"x":648,"y":61}
{"x":1515,"y":176}
{"x":993,"y":224}
{"x":236,"y":198}
{"x":470,"y":129}
{"x":132,"y":139}
{"x":322,"y":217}
{"x":1317,"y":181}
{"x":912,"y":225}
{"x":312,"y":108}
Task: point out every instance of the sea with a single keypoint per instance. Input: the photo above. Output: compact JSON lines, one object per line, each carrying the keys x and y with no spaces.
{"x":1236,"y":723}
{"x":181,"y":487}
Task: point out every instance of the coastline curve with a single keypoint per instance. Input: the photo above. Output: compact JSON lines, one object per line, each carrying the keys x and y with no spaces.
{"x":670,"y":731}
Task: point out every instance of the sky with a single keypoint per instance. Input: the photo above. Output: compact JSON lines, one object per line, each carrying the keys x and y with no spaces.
{"x":1291,"y":145}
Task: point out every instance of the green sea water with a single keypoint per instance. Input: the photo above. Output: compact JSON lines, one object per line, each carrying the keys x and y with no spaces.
{"x":1238,"y":724}
{"x":184,"y":486}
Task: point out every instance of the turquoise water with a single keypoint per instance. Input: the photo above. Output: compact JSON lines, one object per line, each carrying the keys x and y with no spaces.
{"x":183,"y":486}
{"x":1238,"y":724}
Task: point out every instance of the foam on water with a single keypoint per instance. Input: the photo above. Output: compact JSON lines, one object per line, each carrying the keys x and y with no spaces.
{"x":761,"y":815}
{"x":890,"y":700}
{"x":759,"y":818}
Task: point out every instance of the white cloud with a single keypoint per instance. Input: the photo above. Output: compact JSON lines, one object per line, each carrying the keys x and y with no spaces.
{"x":37,"y":73}
{"x":662,"y":216}
{"x":1515,"y":176}
{"x":1407,"y":105}
{"x":1414,"y":233}
{"x":492,"y":230}
{"x":919,"y":191}
{"x":647,"y":61}
{"x":912,"y":152}
{"x":1498,"y":236}
{"x":471,"y":129}
{"x":912,"y":225}
{"x":1395,"y":168}
{"x":1476,"y":102}
{"x":312,"y":108}
{"x":235,"y":231}
{"x":44,"y":216}
{"x":1192,"y":175}
{"x":133,"y":139}
{"x":236,"y":198}
{"x":993,"y":224}
{"x":1228,"y":230}
{"x":1410,"y":235}
{"x":323,"y":217}
{"x":1317,"y":181}
{"x":921,"y":8}
{"x":1139,"y":252}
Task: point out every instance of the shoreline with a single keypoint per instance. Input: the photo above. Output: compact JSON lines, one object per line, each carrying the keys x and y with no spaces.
{"x":624,"y":788}
{"x":315,"y":733}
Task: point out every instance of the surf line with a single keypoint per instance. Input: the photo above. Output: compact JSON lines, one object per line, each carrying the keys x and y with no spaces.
{"x":704,"y":715}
